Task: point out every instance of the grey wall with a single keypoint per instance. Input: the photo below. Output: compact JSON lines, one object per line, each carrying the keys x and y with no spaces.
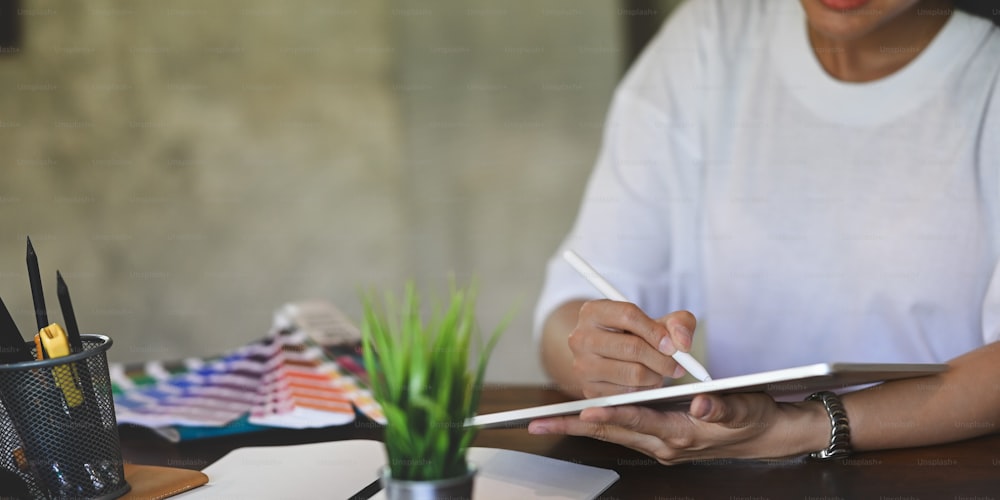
{"x":190,"y":166}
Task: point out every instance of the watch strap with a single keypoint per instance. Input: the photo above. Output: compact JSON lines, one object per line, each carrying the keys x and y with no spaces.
{"x":840,"y":429}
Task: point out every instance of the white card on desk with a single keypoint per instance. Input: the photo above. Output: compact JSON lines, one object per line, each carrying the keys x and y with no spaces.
{"x":339,"y":469}
{"x":802,"y":379}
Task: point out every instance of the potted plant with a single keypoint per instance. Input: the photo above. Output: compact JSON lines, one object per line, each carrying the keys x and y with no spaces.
{"x":427,"y":385}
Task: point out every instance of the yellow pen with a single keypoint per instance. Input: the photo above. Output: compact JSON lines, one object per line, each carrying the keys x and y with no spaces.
{"x":56,"y":345}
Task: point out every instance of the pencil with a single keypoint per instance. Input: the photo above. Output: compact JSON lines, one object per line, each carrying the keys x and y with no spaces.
{"x":72,"y":330}
{"x":39,"y":348}
{"x":12,"y":348}
{"x":82,"y":369}
{"x":36,"y":287}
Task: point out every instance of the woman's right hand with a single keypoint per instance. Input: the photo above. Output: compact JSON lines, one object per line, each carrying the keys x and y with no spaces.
{"x":617,"y":348}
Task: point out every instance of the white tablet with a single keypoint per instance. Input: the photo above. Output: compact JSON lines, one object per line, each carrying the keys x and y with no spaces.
{"x":799,"y":380}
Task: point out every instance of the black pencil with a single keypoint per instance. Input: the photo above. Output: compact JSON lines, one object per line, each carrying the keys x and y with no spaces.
{"x":12,"y":349}
{"x":75,"y":343}
{"x":72,"y":330}
{"x":36,"y":288}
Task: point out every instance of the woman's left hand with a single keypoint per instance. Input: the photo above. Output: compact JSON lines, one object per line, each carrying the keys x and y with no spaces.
{"x":748,"y":425}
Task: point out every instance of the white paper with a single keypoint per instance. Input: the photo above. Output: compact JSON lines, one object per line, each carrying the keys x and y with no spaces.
{"x":339,"y":469}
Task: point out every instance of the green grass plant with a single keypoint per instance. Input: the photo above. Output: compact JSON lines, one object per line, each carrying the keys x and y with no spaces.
{"x":423,"y":376}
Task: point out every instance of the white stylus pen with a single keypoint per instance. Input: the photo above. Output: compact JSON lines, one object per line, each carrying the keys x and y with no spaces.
{"x":684,"y":359}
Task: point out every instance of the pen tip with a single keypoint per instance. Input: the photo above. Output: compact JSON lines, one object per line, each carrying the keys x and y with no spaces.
{"x":31,"y":249}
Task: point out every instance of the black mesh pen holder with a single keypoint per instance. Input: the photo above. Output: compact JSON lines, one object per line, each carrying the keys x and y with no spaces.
{"x":58,"y":431}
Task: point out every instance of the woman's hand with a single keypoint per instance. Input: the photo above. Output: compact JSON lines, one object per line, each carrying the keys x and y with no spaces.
{"x":749,"y":425}
{"x":617,"y":348}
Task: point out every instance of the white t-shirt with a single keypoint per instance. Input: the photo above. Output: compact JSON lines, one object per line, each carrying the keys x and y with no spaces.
{"x":800,"y":218}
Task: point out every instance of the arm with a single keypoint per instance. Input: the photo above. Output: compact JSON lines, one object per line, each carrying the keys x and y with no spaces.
{"x":557,"y":359}
{"x":960,"y":403}
{"x":637,"y":218}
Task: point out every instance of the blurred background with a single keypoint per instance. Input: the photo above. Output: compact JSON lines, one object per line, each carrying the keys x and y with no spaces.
{"x":191,"y":166}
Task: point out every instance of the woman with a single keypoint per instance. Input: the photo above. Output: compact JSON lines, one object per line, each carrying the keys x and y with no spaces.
{"x":815,"y":181}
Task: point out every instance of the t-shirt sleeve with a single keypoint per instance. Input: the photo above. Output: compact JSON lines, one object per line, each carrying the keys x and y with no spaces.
{"x":991,"y":309}
{"x":989,"y":161}
{"x":637,"y":219}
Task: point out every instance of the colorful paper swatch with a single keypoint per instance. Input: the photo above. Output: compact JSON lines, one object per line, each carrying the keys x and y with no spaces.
{"x":284,"y":380}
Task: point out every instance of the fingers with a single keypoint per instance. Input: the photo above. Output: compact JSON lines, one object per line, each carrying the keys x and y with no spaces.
{"x":619,"y":358}
{"x":600,"y":430}
{"x":733,"y":411}
{"x":590,"y":421}
{"x":635,"y":427}
{"x":735,"y":425}
{"x":611,"y":347}
{"x":727,"y":411}
{"x":617,"y":348}
{"x":708,"y":408}
{"x":680,"y":326}
{"x":623,"y":317}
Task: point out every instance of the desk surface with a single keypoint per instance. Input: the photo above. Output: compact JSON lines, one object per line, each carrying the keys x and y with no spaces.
{"x":962,"y":470}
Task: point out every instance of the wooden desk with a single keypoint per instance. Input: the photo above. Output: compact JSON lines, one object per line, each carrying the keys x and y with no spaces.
{"x":969,"y":469}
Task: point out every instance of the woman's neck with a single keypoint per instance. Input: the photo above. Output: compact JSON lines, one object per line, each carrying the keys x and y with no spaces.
{"x":886,"y":49}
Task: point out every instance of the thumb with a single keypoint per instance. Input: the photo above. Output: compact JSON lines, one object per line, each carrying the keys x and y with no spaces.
{"x":713,"y":409}
{"x":680,"y":326}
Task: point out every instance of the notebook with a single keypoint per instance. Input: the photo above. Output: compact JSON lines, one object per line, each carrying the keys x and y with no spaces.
{"x":799,"y":380}
{"x":340,"y":469}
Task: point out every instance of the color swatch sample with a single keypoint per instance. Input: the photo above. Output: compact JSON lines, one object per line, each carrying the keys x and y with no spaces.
{"x":284,"y":380}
